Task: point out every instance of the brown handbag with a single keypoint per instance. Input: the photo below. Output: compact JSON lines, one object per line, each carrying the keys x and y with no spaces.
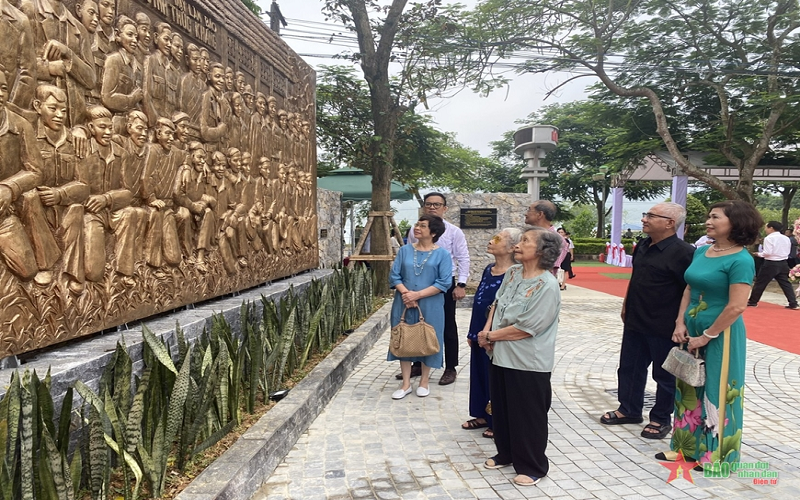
{"x":415,"y":340}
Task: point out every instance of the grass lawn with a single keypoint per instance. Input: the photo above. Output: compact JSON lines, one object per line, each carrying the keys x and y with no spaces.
{"x":617,"y":276}
{"x":591,"y":263}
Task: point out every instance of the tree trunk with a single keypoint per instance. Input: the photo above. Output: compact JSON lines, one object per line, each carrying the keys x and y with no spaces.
{"x":788,"y":195}
{"x":375,"y":57}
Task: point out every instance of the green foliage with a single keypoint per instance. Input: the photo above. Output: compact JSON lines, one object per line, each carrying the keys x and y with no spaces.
{"x":35,"y":462}
{"x":252,"y":6}
{"x":174,"y":410}
{"x":596,"y":246}
{"x":423,"y":155}
{"x":584,"y":221}
{"x":712,"y":75}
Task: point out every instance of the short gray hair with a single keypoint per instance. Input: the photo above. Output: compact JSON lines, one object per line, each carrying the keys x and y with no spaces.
{"x":514,"y":235}
{"x":548,"y":244}
{"x":675,"y":211}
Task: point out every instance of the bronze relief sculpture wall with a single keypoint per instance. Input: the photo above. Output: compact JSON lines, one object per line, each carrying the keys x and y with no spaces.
{"x":152,"y":154}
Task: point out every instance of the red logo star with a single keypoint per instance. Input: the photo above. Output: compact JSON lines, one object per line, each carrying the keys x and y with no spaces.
{"x":679,"y":468}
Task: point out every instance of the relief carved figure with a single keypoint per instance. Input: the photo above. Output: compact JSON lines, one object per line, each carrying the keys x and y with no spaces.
{"x":238,"y":183}
{"x":88,"y":13}
{"x":215,"y":110}
{"x":191,"y":88}
{"x":176,"y":50}
{"x":259,"y":127}
{"x":225,"y":217}
{"x":20,"y":171}
{"x":121,"y":90}
{"x":63,"y":53}
{"x":56,"y":206}
{"x":160,"y":78}
{"x":144,"y":36}
{"x":18,"y":56}
{"x":238,"y":123}
{"x":249,"y":99}
{"x":183,"y":132}
{"x":109,"y":204}
{"x":161,"y":240}
{"x":196,"y":203}
{"x":139,"y":172}
{"x":205,"y":61}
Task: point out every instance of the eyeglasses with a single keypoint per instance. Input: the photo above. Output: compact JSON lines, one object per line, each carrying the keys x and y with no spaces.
{"x":433,"y":205}
{"x":648,"y":215}
{"x":496,"y":239}
{"x":421,"y":225}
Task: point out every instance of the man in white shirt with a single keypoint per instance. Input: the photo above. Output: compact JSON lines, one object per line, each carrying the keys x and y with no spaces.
{"x":776,"y":265}
{"x":454,"y":241}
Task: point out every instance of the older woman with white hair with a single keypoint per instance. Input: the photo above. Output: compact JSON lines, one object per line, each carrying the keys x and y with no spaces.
{"x":520,"y":336}
{"x":501,"y":246}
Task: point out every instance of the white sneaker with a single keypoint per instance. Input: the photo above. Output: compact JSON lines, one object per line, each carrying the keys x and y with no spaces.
{"x":423,"y":391}
{"x":400,"y":393}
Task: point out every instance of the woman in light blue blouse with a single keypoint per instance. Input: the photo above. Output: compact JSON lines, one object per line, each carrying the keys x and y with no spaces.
{"x":420,"y":274}
{"x":501,"y":246}
{"x":520,"y":337}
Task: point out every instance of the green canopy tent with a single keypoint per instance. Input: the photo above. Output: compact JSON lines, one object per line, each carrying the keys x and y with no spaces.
{"x":356,"y":186}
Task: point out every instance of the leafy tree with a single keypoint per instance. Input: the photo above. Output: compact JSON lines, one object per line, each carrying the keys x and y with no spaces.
{"x":717,"y":75}
{"x":380,"y":29}
{"x":584,"y":221}
{"x":424,"y":156}
{"x":252,"y":6}
{"x":594,"y":144}
{"x":784,"y":202}
{"x":696,"y":215}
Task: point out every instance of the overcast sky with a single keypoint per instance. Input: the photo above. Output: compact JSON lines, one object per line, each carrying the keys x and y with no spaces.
{"x":474,"y":119}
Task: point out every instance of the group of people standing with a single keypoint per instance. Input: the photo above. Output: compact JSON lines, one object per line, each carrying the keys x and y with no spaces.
{"x":512,"y":331}
{"x":701,"y":294}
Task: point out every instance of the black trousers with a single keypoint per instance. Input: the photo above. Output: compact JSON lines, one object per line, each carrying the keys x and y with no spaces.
{"x":520,"y":402}
{"x":777,"y":270}
{"x":566,"y":265}
{"x":637,"y":353}
{"x":450,"y":330}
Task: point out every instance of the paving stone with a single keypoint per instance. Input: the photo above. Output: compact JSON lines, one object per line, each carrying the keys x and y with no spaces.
{"x":415,"y":448}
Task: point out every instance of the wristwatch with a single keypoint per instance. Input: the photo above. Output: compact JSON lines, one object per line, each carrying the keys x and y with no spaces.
{"x":461,"y":285}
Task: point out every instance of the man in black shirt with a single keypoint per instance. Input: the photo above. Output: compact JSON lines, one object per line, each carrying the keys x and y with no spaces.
{"x":648,"y":313}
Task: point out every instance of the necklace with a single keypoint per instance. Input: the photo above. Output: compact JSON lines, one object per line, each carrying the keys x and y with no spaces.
{"x":714,"y":247}
{"x":418,"y":268}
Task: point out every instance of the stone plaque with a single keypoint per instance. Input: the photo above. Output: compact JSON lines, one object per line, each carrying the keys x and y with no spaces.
{"x":153,"y":153}
{"x":478,"y":218}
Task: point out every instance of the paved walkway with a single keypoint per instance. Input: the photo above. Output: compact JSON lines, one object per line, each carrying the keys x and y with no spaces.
{"x":365,"y":445}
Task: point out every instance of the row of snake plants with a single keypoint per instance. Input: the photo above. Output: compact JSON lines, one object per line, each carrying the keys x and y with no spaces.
{"x":187,"y":397}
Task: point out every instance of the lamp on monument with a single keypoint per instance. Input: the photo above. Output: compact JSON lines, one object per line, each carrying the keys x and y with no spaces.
{"x":533,"y":142}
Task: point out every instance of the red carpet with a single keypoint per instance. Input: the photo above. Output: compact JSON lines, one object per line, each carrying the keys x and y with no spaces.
{"x":768,"y":324}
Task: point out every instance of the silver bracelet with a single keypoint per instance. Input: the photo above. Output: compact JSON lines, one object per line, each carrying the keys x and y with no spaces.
{"x":705,"y":334}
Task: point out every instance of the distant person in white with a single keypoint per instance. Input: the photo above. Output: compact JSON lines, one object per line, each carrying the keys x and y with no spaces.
{"x":775,"y":253}
{"x":703,"y":241}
